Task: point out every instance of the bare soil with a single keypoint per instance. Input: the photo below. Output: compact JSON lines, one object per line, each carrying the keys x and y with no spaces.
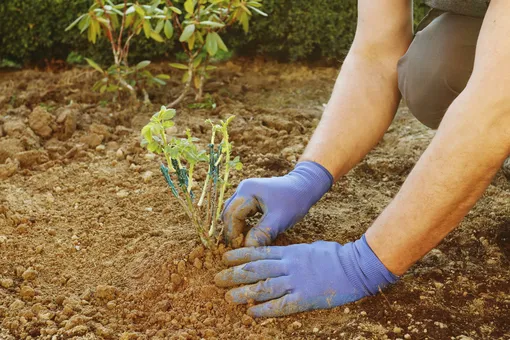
{"x":92,"y":245}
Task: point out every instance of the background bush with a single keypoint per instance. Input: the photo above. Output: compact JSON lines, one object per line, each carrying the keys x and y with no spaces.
{"x":33,"y":30}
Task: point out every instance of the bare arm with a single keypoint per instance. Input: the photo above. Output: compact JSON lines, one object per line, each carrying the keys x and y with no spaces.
{"x":366,"y":95}
{"x":469,"y":148}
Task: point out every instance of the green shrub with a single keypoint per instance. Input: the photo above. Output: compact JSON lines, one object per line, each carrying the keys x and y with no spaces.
{"x":33,"y":30}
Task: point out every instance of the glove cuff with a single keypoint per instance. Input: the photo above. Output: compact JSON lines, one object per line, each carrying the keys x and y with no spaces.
{"x":370,"y":272}
{"x":316,"y":178}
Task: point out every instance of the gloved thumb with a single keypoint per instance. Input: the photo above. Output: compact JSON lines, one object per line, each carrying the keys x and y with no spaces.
{"x":264,"y":233}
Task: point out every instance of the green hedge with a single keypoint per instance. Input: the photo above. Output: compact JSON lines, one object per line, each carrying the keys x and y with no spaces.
{"x":33,"y":30}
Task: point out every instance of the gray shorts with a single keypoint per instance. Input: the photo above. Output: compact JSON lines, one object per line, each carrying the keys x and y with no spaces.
{"x":438,"y":64}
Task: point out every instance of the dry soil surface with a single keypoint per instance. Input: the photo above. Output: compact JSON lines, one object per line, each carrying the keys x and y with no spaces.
{"x":92,"y":245}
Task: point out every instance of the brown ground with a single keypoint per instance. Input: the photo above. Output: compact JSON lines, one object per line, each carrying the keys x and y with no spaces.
{"x":90,"y":251}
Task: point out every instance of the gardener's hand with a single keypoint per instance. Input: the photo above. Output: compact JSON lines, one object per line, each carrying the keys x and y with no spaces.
{"x":284,"y":201}
{"x":303,"y":277}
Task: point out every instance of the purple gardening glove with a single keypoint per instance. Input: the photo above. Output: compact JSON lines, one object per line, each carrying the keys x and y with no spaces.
{"x":284,"y":201}
{"x":303,"y":277}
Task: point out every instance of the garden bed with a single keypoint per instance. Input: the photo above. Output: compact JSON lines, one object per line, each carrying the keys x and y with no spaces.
{"x":93,"y":246}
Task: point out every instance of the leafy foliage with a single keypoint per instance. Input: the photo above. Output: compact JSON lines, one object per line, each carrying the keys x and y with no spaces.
{"x":182,"y":156}
{"x":295,"y":29}
{"x":120,"y":23}
{"x":198,"y":28}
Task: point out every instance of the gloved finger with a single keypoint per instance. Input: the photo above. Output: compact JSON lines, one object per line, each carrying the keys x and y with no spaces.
{"x":234,"y":216}
{"x":250,"y":273}
{"x":286,"y":305}
{"x":245,"y":255}
{"x":262,"y":291}
{"x":264,"y":233}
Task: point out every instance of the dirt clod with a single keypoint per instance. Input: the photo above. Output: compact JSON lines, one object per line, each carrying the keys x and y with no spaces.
{"x":29,"y":275}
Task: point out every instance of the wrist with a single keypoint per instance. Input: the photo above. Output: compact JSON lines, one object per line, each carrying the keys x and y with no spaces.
{"x":365,"y":268}
{"x":314,"y":178}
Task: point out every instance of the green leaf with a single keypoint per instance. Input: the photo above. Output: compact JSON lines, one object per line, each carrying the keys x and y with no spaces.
{"x":211,"y":44}
{"x":142,"y":64}
{"x":176,"y":10}
{"x":189,"y":6}
{"x":139,"y":10}
{"x":158,"y":81}
{"x":163,"y":76}
{"x":168,"y":114}
{"x":258,"y":11}
{"x":147,"y":133}
{"x":94,"y":65}
{"x":74,"y":23}
{"x":179,"y":66}
{"x":210,"y":68}
{"x":169,"y":29}
{"x":187,"y":33}
{"x":84,"y":24}
{"x":159,"y":26}
{"x":220,"y":42}
{"x":147,"y":28}
{"x":154,"y":147}
{"x":212,"y":24}
{"x":156,"y":36}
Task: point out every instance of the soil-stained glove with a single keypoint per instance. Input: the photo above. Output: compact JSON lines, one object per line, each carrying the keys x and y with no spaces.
{"x":284,"y":201}
{"x":303,"y":277}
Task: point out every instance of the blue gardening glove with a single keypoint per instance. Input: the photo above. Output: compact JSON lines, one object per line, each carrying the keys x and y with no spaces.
{"x":303,"y":277}
{"x":284,"y":201}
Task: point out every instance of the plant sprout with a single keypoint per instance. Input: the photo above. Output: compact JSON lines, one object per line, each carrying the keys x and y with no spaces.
{"x":182,"y":156}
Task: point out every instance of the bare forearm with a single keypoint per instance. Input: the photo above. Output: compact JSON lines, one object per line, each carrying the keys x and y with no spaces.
{"x":366,"y":93}
{"x":469,"y":148}
{"x":360,"y":111}
{"x":447,"y":181}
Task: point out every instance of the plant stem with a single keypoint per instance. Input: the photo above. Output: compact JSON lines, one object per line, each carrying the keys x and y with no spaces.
{"x":190,"y":176}
{"x":226,"y":174}
{"x":186,"y":87}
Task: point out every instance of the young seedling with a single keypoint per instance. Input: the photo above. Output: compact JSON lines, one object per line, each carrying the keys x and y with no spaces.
{"x":120,"y":23}
{"x":182,"y":157}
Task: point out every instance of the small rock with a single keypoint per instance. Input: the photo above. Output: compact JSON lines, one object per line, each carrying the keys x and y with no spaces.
{"x":315,"y":330}
{"x":176,"y":279}
{"x":17,"y":305}
{"x":397,"y":330}
{"x":27,"y":293}
{"x":8,"y":169}
{"x":41,"y":122}
{"x":77,"y":331}
{"x":122,"y":193}
{"x":111,"y":305}
{"x":106,"y":292}
{"x":100,"y":148}
{"x":92,"y":139}
{"x":294,"y":326}
{"x":6,"y":283}
{"x":363,"y":313}
{"x":197,"y":253}
{"x":29,"y":275}
{"x":247,"y":320}
{"x":101,"y":130}
{"x":146,"y":176}
{"x":407,"y":336}
{"x":119,"y":154}
{"x":150,"y":156}
{"x":197,"y":263}
{"x":347,"y":310}
{"x":181,"y":267}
